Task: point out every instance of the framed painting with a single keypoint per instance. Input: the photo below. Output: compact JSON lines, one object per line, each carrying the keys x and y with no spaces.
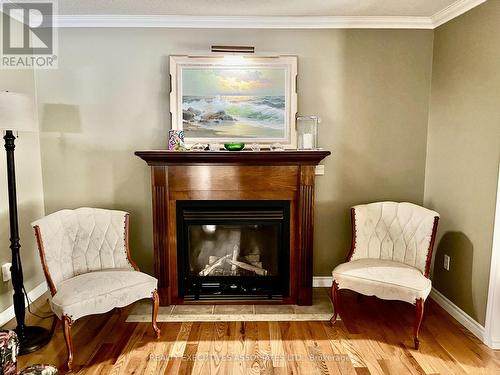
{"x":234,"y":99}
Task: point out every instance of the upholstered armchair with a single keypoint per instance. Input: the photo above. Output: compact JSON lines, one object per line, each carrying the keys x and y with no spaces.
{"x":86,"y":260}
{"x":390,"y":255}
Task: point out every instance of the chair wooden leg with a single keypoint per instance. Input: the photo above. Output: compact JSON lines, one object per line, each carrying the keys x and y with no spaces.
{"x":67,"y":322}
{"x":335,"y":301}
{"x":418,"y":321}
{"x":156,"y":304}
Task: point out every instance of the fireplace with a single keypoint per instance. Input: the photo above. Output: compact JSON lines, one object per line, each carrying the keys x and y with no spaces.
{"x":233,"y":226}
{"x":233,"y":249}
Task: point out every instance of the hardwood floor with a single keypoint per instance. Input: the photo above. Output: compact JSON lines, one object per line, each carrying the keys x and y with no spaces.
{"x":374,"y":337}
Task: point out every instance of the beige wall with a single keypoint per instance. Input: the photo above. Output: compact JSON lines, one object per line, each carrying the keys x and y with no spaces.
{"x":109,"y":97}
{"x":29,"y":193}
{"x":464,"y":152}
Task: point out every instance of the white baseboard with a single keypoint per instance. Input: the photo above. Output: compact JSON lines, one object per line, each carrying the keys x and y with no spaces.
{"x":322,"y":281}
{"x":8,"y":313}
{"x":493,"y":344}
{"x":461,"y":316}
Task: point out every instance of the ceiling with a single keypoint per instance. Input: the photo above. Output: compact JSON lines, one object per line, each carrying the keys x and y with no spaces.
{"x":344,"y":8}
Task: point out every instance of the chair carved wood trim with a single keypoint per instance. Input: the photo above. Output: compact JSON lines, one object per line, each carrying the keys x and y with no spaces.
{"x":122,"y":263}
{"x":424,"y":269}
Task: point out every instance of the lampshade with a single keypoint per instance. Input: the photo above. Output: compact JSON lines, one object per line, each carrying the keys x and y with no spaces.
{"x":16,"y":112}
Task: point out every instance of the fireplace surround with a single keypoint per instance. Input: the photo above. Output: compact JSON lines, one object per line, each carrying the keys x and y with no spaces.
{"x":216,"y":217}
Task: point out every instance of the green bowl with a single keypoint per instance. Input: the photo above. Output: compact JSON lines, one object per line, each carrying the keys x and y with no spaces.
{"x":234,"y":146}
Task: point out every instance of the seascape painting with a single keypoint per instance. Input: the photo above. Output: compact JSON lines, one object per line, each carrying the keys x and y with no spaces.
{"x":234,"y":103}
{"x":217,"y":100}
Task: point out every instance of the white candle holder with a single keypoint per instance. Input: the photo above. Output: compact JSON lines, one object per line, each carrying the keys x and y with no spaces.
{"x":307,"y":132}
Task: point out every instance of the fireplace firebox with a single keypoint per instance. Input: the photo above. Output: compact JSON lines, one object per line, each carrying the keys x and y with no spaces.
{"x":233,"y":249}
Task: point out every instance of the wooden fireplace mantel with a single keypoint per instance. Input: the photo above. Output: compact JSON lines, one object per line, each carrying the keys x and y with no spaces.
{"x":288,"y":157}
{"x":245,"y":175}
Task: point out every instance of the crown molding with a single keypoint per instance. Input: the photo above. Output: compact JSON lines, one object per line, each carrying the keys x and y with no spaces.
{"x":454,"y":10}
{"x":244,"y":22}
{"x":268,"y":22}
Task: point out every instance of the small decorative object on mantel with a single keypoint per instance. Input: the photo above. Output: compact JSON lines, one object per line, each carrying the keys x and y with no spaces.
{"x":176,"y":140}
{"x":255,"y":147}
{"x":214,"y":146}
{"x":307,"y":132}
{"x":198,"y":147}
{"x":277,"y":147}
{"x":234,"y":146}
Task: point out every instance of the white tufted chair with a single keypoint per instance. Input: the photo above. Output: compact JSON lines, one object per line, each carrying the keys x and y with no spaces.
{"x":86,"y":260}
{"x":390,"y":255}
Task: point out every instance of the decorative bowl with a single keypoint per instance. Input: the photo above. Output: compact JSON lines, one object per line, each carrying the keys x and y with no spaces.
{"x":234,"y":146}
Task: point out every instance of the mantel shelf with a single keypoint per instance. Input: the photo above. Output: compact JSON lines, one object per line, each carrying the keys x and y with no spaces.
{"x":287,"y":157}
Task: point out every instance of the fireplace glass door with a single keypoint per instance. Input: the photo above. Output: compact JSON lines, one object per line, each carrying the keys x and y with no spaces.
{"x":233,"y":249}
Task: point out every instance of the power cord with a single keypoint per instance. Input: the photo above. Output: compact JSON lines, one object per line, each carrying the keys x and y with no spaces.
{"x":29,"y":307}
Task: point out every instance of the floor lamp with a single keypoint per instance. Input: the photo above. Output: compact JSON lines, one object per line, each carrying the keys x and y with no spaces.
{"x":17,"y":115}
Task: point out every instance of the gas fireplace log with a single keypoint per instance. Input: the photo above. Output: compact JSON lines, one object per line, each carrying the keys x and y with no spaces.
{"x":212,"y":259}
{"x":236,"y":254}
{"x":256,"y":264}
{"x":248,"y":267}
{"x":208,"y":269}
{"x":252,"y":258}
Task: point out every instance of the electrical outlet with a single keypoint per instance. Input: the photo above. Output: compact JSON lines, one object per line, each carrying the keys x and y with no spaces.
{"x":446,"y":264}
{"x":6,"y":276}
{"x":320,"y":170}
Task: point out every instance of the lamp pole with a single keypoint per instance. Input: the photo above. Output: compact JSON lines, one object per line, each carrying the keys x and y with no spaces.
{"x":30,"y":338}
{"x":15,"y":246}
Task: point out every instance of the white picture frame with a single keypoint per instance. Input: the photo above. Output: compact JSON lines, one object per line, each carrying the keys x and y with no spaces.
{"x":256,"y":118}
